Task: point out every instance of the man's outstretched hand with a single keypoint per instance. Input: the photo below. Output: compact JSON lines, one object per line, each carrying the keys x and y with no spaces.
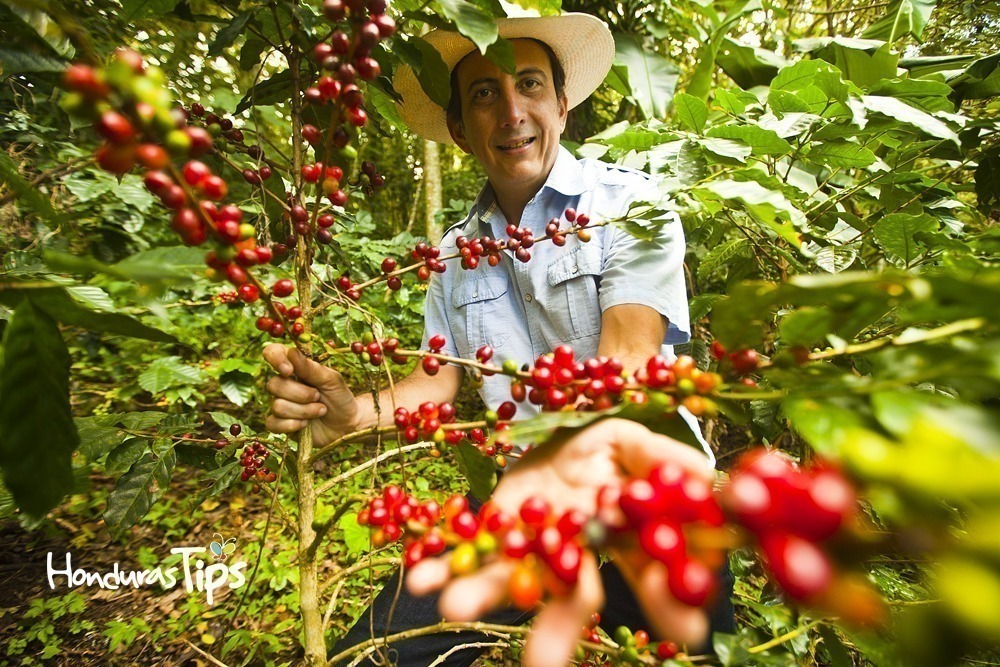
{"x":316,"y":393}
{"x":568,"y":474}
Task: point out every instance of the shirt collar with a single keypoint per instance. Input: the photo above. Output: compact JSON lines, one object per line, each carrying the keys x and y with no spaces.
{"x":566,"y":177}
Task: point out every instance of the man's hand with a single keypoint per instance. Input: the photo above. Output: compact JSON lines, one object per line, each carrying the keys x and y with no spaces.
{"x":568,"y":474}
{"x":318,"y":394}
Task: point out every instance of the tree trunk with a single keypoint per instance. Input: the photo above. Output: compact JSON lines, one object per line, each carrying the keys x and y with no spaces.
{"x":432,"y":190}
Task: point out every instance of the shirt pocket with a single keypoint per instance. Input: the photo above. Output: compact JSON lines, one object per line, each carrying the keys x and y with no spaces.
{"x":574,"y":280}
{"x":482,"y":300}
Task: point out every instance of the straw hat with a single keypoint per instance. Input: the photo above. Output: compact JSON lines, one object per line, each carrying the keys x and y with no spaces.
{"x":582,"y":43}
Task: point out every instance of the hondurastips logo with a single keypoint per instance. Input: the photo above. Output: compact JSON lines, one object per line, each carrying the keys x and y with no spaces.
{"x":198,"y":574}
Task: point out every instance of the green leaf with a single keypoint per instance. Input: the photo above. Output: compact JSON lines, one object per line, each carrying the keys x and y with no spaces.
{"x":783,"y":102}
{"x":748,"y":66}
{"x":761,"y":141}
{"x":768,"y":207}
{"x":251,"y":52}
{"x":896,"y":233}
{"x":726,"y":148}
{"x":543,"y":7}
{"x":806,"y":326}
{"x":16,"y":61}
{"x":225,"y":37}
{"x":471,"y":21}
{"x":901,"y":112}
{"x":692,"y":112}
{"x":357,"y":538}
{"x":237,"y":387}
{"x":988,"y":179}
{"x":222,"y":478}
{"x":384,"y":105}
{"x":903,"y":17}
{"x":841,"y":154}
{"x":98,"y":435}
{"x":132,"y":192}
{"x":825,"y":425}
{"x":864,"y":62}
{"x":28,"y":195}
{"x":276,"y":89}
{"x":92,"y":297}
{"x":734,"y":102}
{"x":89,"y":185}
{"x":125,"y":455}
{"x":144,"y":9}
{"x":719,"y":256}
{"x":901,"y":411}
{"x":168,"y":372}
{"x":836,"y":652}
{"x":57,"y":303}
{"x":651,"y":77}
{"x":701,"y":305}
{"x":799,"y":75}
{"x":477,"y":468}
{"x":432,"y":73}
{"x":137,"y":490}
{"x":37,"y":432}
{"x":980,"y":80}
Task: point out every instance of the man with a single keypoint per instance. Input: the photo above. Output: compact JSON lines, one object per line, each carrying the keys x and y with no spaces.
{"x":615,"y":296}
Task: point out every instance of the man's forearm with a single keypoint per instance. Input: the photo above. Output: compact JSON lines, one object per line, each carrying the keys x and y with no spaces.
{"x":409,"y":393}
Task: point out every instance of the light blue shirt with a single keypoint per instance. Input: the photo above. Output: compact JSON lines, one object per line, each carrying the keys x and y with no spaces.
{"x":524,"y":310}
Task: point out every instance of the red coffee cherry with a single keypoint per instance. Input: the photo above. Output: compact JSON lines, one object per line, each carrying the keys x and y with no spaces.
{"x":283,"y":287}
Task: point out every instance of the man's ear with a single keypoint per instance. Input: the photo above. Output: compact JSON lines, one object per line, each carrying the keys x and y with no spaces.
{"x":563,"y":112}
{"x":457,"y":132}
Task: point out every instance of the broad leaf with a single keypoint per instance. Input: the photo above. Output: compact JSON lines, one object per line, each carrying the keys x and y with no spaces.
{"x":237,"y":387}
{"x":477,"y":468}
{"x":168,"y":372}
{"x":137,"y":490}
{"x":27,"y":195}
{"x":357,"y":538}
{"x":471,"y":21}
{"x":433,"y":74}
{"x":761,"y":141}
{"x":37,"y":433}
{"x":864,"y":62}
{"x":903,"y":17}
{"x":902,"y":112}
{"x":16,"y":61}
{"x":692,"y":112}
{"x":651,"y":77}
{"x":144,"y":9}
{"x":225,"y":37}
{"x":276,"y":89}
{"x":896,"y":234}
{"x":748,"y":66}
{"x":721,"y":255}
{"x":841,"y":154}
{"x":768,"y":207}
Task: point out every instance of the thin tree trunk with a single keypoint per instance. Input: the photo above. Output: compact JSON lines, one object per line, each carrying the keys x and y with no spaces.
{"x":432,"y":190}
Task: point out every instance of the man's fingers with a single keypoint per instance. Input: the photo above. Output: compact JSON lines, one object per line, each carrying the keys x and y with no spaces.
{"x":293,"y":391}
{"x":471,"y":597}
{"x":278,"y":425}
{"x":316,"y":375}
{"x":672,"y":620}
{"x":557,"y":628}
{"x":640,"y":450}
{"x":277,"y":355}
{"x":428,"y":575}
{"x":288,"y":410}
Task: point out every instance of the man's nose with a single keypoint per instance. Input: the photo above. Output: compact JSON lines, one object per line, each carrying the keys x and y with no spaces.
{"x":512,"y":109}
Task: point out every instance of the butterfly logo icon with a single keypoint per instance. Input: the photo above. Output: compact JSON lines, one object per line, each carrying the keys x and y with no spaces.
{"x":221,"y":548}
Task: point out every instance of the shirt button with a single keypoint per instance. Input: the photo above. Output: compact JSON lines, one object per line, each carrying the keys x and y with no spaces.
{"x":576,"y":269}
{"x":475,"y":295}
{"x":527,"y":297}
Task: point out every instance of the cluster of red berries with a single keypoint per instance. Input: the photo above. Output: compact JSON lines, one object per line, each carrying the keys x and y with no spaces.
{"x":661,"y":509}
{"x":427,"y":421}
{"x":791,"y":512}
{"x":397,"y":515}
{"x":217,"y":125}
{"x":96,"y":93}
{"x":329,"y":179}
{"x":371,"y":351}
{"x":743,"y":361}
{"x":252,"y":459}
{"x":292,"y":321}
{"x":558,"y":236}
{"x":369,"y":179}
{"x":223,"y":298}
{"x":674,"y":517}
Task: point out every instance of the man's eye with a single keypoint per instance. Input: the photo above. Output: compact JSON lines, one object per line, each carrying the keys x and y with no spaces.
{"x":531,"y":84}
{"x":481,"y":94}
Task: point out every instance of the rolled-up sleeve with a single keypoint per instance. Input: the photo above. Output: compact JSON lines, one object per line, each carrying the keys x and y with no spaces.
{"x":649,"y":273}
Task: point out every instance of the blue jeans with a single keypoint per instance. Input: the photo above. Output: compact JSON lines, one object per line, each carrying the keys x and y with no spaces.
{"x":620,"y":608}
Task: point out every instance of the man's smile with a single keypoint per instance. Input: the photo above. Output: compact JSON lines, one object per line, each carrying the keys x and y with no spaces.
{"x":514,"y":145}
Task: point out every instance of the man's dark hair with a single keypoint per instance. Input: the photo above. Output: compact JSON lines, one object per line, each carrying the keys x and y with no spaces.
{"x":454,"y":110}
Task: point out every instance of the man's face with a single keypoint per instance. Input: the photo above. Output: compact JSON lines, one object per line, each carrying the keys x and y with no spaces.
{"x":511,"y":123}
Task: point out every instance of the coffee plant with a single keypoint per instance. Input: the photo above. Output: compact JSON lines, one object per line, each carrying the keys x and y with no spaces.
{"x":839,"y":199}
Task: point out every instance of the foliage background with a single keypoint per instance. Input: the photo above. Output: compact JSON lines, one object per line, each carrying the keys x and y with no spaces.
{"x":689,"y":97}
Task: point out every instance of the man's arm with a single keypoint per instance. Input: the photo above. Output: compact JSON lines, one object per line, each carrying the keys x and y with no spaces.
{"x":305,"y":390}
{"x":633,"y":333}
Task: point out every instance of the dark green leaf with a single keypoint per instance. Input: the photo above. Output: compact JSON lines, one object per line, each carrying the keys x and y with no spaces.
{"x":896,"y":234}
{"x":721,"y":255}
{"x":276,"y":89}
{"x":477,"y":468}
{"x":841,"y":154}
{"x":98,"y":435}
{"x":144,"y":9}
{"x":748,"y":66}
{"x":37,"y":433}
{"x":471,"y":21}
{"x":122,"y":457}
{"x":14,"y":61}
{"x":806,"y":326}
{"x":168,"y":372}
{"x":251,"y":52}
{"x":225,"y":37}
{"x":433,"y":74}
{"x":222,"y":478}
{"x":901,"y":112}
{"x":137,"y":490}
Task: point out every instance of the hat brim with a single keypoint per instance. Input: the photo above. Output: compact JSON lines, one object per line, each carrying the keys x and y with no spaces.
{"x":582,"y":44}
